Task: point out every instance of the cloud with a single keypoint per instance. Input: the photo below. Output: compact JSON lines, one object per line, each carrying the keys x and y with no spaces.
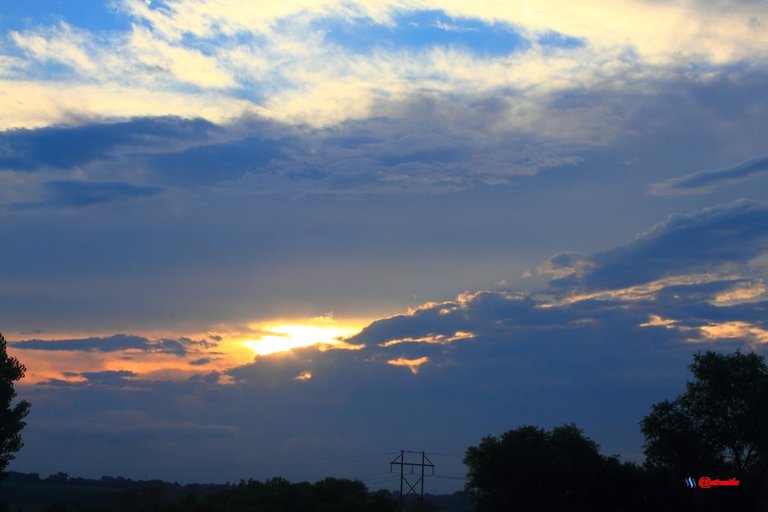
{"x":115,"y":343}
{"x":112,"y":343}
{"x":182,"y":64}
{"x":716,"y":240}
{"x":674,"y":25}
{"x":61,"y":44}
{"x":565,"y":264}
{"x":228,"y":59}
{"x":424,"y":144}
{"x":527,"y":181}
{"x":689,"y":275}
{"x":412,"y":364}
{"x":88,"y":55}
{"x":79,"y":144}
{"x":215,"y":163}
{"x":115,"y":377}
{"x":704,"y":181}
{"x":29,"y":103}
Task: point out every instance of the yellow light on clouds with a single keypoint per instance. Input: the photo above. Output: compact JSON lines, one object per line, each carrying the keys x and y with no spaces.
{"x":304,"y":376}
{"x":323,"y":331}
{"x":411,"y":364}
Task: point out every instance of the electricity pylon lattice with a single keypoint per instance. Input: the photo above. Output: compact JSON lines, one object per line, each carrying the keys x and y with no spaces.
{"x":412,"y":460}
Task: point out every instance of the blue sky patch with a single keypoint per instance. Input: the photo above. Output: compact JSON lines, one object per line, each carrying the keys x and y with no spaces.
{"x":95,"y":16}
{"x":424,"y":29}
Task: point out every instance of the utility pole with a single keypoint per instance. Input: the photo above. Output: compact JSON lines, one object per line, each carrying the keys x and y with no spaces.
{"x":412,"y":460}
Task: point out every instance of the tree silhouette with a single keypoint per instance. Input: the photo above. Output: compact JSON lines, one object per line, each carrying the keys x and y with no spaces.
{"x":720,"y":422}
{"x":718,"y":427}
{"x":531,"y":469}
{"x":11,"y":416}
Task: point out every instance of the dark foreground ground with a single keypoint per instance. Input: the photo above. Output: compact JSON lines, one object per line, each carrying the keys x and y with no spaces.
{"x":20,"y":492}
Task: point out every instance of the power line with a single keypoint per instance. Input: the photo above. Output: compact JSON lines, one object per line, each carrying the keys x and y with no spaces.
{"x":401,"y":461}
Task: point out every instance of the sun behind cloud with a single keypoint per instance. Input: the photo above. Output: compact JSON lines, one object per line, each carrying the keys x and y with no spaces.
{"x":324,"y":332}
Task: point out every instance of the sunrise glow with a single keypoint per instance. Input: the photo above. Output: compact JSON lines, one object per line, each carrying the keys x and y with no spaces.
{"x":325,"y":332}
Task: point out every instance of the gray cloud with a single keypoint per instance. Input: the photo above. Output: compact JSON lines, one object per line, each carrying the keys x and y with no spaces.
{"x":421,"y":144}
{"x":67,"y":147}
{"x":108,"y":377}
{"x":705,"y":181}
{"x":713,"y":240}
{"x":116,"y":343}
{"x":113,"y":343}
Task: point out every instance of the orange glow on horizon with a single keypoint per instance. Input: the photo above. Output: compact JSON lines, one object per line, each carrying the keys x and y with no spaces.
{"x":228,"y":346}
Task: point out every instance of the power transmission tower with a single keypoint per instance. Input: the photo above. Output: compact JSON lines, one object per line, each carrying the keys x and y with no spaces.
{"x":417,"y":480}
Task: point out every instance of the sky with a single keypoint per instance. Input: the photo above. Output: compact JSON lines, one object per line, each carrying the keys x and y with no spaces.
{"x":255,"y":239}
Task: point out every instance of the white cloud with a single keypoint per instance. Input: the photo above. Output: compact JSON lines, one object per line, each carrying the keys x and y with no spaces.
{"x":185,"y":65}
{"x":208,"y":18}
{"x":31,"y":104}
{"x":279,"y":56}
{"x":11,"y":66}
{"x":661,"y":32}
{"x":60,"y":44}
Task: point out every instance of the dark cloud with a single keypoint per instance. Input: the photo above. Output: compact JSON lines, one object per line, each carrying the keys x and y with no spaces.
{"x":420,"y":144}
{"x":116,"y":343}
{"x":706,"y":241}
{"x":108,"y":377}
{"x":705,"y":181}
{"x":169,"y":346}
{"x":573,"y":318}
{"x":113,"y":343}
{"x":65,"y":147}
{"x":214,"y":163}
